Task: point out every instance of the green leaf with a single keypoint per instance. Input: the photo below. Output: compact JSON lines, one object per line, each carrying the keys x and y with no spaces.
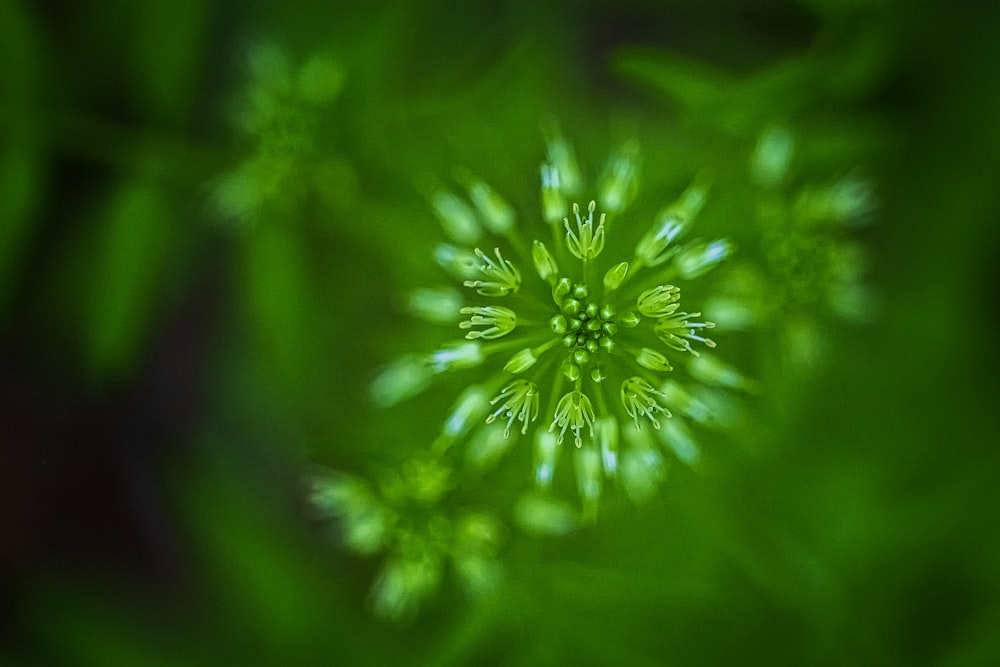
{"x":136,"y":231}
{"x":692,"y":85}
{"x":168,"y":50}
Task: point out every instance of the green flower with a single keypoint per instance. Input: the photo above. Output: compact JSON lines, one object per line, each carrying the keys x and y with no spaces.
{"x":812,"y":272}
{"x":404,"y":520}
{"x":282,"y":120}
{"x":592,"y":317}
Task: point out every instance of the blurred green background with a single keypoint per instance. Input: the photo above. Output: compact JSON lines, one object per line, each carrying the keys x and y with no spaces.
{"x":209,"y":210}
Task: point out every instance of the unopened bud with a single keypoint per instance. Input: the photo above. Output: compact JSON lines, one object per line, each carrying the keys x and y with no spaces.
{"x":457,"y":219}
{"x":435,"y":304}
{"x":615,"y":276}
{"x":497,"y":215}
{"x":545,"y":263}
{"x":772,"y":156}
{"x":653,"y":360}
{"x":620,"y":180}
{"x":676,"y":436}
{"x":700,"y":258}
{"x":469,"y":409}
{"x":712,"y":370}
{"x":521,"y":361}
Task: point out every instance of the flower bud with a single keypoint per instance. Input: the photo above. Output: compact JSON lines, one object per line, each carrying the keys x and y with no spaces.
{"x":559,"y":154}
{"x":712,"y":370}
{"x":678,"y":439}
{"x":497,"y":215}
{"x":615,"y":276}
{"x":521,"y":361}
{"x":772,"y":156}
{"x":486,"y":447}
{"x":459,"y":262}
{"x":679,"y":398}
{"x":700,"y":258}
{"x":652,"y":248}
{"x":570,"y":370}
{"x":653,"y":360}
{"x":468,"y":410}
{"x":561,"y":289}
{"x":629,"y":320}
{"x":402,"y":379}
{"x":456,"y":217}
{"x":553,"y":201}
{"x":545,"y":263}
{"x":435,"y":304}
{"x":642,"y":467}
{"x":456,"y":357}
{"x":671,"y":223}
{"x":620,"y":180}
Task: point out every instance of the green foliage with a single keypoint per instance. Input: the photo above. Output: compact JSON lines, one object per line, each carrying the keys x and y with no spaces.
{"x":135,"y":236}
{"x":248,"y":350}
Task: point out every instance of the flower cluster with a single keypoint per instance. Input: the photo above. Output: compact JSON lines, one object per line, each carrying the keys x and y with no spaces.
{"x":403,"y":518}
{"x":812,"y":268}
{"x":574,"y":343}
{"x":280,"y":117}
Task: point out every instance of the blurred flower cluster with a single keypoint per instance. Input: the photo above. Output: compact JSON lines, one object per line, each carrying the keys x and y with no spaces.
{"x":404,"y":518}
{"x":282,"y":118}
{"x":805,"y":267}
{"x":813,"y":269}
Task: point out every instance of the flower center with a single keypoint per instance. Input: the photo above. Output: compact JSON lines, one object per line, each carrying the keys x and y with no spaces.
{"x":586,"y":327}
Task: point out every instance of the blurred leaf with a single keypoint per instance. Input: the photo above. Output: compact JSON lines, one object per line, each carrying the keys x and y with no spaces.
{"x":135,"y":238}
{"x":168,"y":43}
{"x":692,"y":84}
{"x":85,"y":626}
{"x":21,"y":158}
{"x":20,"y":175}
{"x":267,"y":582}
{"x":737,"y":105}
